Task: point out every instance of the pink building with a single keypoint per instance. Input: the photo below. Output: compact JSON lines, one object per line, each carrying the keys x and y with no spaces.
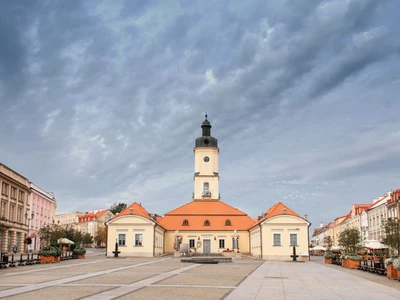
{"x":43,"y":206}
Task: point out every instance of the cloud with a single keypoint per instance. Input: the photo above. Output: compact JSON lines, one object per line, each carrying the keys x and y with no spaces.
{"x":109,"y":97}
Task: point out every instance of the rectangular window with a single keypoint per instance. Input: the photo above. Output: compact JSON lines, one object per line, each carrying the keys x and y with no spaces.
{"x":121,"y":239}
{"x":277,"y":239}
{"x":5,"y":189}
{"x":192,"y":243}
{"x":293,"y":239}
{"x":19,"y":215}
{"x":138,"y":239}
{"x":13,"y":193}
{"x":21,"y":196}
{"x":221,"y":243}
{"x":11,"y":212}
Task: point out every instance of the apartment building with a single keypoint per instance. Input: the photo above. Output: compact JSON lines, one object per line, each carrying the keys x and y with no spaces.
{"x":14,"y":209}
{"x":43,"y":205}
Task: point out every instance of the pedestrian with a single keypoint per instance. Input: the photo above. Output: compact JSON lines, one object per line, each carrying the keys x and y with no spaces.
{"x":15,"y":249}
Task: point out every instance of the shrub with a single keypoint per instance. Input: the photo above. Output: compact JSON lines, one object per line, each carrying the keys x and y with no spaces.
{"x":79,"y":251}
{"x":396,"y":263}
{"x":329,"y":254}
{"x":48,"y":251}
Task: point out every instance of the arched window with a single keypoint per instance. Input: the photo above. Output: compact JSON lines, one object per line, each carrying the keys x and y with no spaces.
{"x":206,"y":223}
{"x":206,"y":190}
{"x":228,"y":222}
{"x":185,"y":223}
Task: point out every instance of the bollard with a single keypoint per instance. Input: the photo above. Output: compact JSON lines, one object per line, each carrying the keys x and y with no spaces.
{"x":116,"y":252}
{"x":294,"y":256}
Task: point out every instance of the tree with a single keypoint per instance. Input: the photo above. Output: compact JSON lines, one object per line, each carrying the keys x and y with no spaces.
{"x":350,"y":240}
{"x":392,"y":234}
{"x":87,"y":239}
{"x":117,"y":208}
{"x":101,"y":235}
{"x":50,"y":234}
{"x":328,"y":242}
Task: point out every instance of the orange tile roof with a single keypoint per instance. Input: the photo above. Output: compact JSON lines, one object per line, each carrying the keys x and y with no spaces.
{"x":197,"y":212}
{"x":278,"y":209}
{"x":137,"y":209}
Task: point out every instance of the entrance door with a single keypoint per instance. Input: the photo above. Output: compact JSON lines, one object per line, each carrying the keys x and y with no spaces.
{"x":206,"y":246}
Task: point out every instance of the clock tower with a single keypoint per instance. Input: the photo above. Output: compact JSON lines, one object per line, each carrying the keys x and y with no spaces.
{"x":206,"y":176}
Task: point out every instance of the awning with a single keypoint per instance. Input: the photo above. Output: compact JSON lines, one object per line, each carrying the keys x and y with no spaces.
{"x":65,"y":241}
{"x":318,"y":247}
{"x":337,"y":248}
{"x":374,"y":244}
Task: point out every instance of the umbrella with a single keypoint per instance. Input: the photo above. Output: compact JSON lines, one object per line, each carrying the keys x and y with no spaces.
{"x":318,"y":247}
{"x":374,"y":244}
{"x":65,"y":241}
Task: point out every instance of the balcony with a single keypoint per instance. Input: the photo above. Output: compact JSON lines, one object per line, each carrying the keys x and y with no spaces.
{"x":206,"y":194}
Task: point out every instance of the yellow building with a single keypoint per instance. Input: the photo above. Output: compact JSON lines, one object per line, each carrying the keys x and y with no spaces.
{"x":207,"y":225}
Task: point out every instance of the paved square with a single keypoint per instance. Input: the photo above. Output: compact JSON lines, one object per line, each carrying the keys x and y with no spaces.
{"x":167,"y":278}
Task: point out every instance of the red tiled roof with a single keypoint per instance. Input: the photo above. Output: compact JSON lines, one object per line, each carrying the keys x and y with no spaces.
{"x":197,"y":212}
{"x":137,"y":209}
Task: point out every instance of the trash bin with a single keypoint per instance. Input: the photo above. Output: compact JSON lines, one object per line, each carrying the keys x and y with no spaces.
{"x":5,"y":257}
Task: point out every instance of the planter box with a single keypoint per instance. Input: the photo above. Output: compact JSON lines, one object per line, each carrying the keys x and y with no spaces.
{"x":229,"y":254}
{"x":46,"y":259}
{"x":352,"y":264}
{"x":392,"y":273}
{"x":80,"y":256}
{"x":328,"y":260}
{"x":345,"y":263}
{"x":57,"y":258}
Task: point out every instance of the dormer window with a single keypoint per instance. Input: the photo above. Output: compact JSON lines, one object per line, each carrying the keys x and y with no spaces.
{"x":206,"y":223}
{"x":185,"y":223}
{"x":228,"y":222}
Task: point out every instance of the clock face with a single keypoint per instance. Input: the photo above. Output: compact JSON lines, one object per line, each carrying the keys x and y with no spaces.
{"x":206,"y":159}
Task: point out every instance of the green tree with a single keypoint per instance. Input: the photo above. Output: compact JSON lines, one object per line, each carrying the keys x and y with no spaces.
{"x":350,"y":240}
{"x":328,"y":241}
{"x":101,"y":235}
{"x":87,"y":239}
{"x":392,"y":234}
{"x":117,"y":208}
{"x":50,"y":234}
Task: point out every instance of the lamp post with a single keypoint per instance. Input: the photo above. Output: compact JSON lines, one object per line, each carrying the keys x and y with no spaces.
{"x":28,"y":239}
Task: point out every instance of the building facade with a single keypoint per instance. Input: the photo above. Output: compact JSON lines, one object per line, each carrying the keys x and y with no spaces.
{"x":14,"y":209}
{"x":43,"y":205}
{"x":206,"y":224}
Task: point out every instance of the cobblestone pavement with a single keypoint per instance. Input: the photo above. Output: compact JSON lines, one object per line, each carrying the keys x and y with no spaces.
{"x":366,"y":275}
{"x":98,"y":277}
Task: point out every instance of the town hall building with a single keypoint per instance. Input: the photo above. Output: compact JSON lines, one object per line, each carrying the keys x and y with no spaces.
{"x":206,"y":224}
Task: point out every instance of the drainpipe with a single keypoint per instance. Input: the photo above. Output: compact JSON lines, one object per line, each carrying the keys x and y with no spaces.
{"x":154,"y":240}
{"x":261,"y":241}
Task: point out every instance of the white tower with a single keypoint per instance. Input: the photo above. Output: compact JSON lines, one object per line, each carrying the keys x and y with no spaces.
{"x":206,"y":176}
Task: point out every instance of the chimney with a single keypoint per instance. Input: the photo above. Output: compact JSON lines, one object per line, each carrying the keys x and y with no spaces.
{"x":284,"y":211}
{"x":131,"y":211}
{"x":305,"y":216}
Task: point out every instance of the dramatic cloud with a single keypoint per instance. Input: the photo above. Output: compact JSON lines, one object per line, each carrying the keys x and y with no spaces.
{"x":101,"y":101}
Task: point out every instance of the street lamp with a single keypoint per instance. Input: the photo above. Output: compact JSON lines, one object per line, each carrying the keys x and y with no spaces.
{"x":28,"y":239}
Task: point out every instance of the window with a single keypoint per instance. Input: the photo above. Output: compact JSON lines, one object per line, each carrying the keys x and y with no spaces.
{"x":121,"y":239}
{"x":13,"y":193}
{"x":228,"y":223}
{"x":138,"y":239}
{"x":21,"y":197}
{"x":206,"y":189}
{"x":11,"y":212}
{"x":221,"y":243}
{"x":3,"y":209}
{"x":5,"y":189}
{"x":206,"y":223}
{"x":192,"y":243}
{"x":293,"y":239}
{"x":19,"y":215}
{"x":185,"y":223}
{"x":277,"y":239}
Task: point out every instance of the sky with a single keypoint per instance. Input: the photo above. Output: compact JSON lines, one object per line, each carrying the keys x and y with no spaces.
{"x":101,"y":101}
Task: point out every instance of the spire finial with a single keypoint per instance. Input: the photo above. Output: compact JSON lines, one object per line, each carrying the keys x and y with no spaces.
{"x":206,"y":115}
